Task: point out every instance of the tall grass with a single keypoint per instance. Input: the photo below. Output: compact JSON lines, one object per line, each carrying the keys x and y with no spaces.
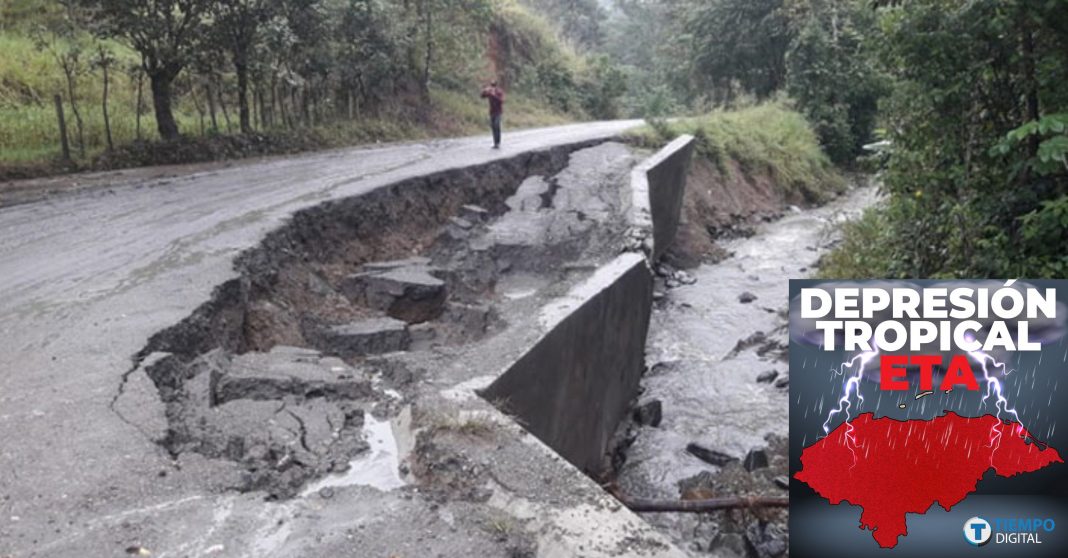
{"x":469,"y":114}
{"x":29,"y":132}
{"x":29,"y":77}
{"x":767,"y":138}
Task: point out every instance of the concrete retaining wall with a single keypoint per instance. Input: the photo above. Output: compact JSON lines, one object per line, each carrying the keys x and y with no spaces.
{"x":573,"y":387}
{"x":657,"y":187}
{"x":575,"y":384}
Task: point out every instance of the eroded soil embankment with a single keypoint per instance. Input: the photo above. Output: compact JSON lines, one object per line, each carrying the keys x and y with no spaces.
{"x":337,"y":315}
{"x":728,"y":202}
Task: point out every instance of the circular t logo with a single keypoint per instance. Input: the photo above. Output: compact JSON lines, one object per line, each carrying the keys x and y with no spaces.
{"x":977,"y":531}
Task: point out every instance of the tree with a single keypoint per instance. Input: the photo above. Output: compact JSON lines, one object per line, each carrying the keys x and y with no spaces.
{"x":166,"y":33}
{"x":605,"y":85}
{"x":449,"y":26}
{"x":236,"y":25}
{"x":60,"y":37}
{"x":104,"y":59}
{"x":580,"y":21}
{"x":970,"y":192}
{"x":831,"y":73}
{"x":738,"y":42}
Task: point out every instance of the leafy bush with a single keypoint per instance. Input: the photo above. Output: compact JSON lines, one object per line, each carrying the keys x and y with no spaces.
{"x":858,"y":256}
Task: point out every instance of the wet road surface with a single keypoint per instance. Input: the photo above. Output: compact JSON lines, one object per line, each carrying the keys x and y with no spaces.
{"x":88,"y":277}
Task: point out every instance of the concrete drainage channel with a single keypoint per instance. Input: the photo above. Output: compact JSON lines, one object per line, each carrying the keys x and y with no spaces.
{"x":395,"y":342}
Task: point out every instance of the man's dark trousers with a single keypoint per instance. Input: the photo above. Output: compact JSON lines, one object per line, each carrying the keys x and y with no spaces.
{"x":495,"y":124}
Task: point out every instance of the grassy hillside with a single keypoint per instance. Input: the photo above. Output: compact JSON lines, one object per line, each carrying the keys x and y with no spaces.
{"x":770,"y":139}
{"x":749,"y":165}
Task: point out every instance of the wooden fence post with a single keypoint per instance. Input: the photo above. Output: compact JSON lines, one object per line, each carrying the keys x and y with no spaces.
{"x":62,"y":128}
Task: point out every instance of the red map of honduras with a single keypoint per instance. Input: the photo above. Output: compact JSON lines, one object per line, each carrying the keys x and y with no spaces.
{"x":906,"y":466}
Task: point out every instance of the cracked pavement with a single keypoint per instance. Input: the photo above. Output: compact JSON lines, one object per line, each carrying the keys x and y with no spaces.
{"x":88,"y":276}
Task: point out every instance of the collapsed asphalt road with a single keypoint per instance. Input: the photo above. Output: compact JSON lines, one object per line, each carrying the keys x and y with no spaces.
{"x":87,"y":278}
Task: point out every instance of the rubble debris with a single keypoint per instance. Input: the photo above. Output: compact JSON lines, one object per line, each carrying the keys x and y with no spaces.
{"x":410,"y":293}
{"x":474,"y":213}
{"x":701,"y":486}
{"x":767,"y":376}
{"x":783,"y":382}
{"x":765,"y":540}
{"x":757,"y":458}
{"x":414,"y":261}
{"x":365,"y":337}
{"x":283,"y":416}
{"x":710,"y":456}
{"x":469,"y":321}
{"x":732,"y":542}
{"x":685,"y":278}
{"x":287,"y":371}
{"x":530,"y":196}
{"x":746,"y":297}
{"x":422,"y":335}
{"x":782,"y":482}
{"x":649,"y":413}
{"x":461,"y":223}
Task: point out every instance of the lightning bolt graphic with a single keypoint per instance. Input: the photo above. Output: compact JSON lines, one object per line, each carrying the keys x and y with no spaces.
{"x":994,"y":389}
{"x":851,"y":387}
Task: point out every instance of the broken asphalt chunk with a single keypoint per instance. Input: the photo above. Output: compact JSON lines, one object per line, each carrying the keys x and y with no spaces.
{"x":755,"y":459}
{"x":650,"y":413}
{"x":365,"y":337}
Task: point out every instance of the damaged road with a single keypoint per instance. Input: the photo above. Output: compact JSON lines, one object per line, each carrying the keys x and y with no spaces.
{"x":281,"y":369}
{"x":117,"y":462}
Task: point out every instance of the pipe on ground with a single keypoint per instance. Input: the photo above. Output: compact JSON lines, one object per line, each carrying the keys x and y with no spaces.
{"x":701,"y":506}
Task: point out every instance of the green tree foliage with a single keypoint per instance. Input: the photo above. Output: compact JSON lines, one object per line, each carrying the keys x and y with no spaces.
{"x":525,"y":56}
{"x":708,"y":53}
{"x":294,"y":64}
{"x":580,"y":21}
{"x":644,"y":39}
{"x":166,"y":33}
{"x":738,"y":45}
{"x":236,"y":24}
{"x":832,"y":75}
{"x":976,"y":178}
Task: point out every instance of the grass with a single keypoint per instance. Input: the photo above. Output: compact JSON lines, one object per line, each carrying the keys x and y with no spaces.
{"x":29,"y":77}
{"x":29,"y":132}
{"x":471,"y":115}
{"x":767,"y":138}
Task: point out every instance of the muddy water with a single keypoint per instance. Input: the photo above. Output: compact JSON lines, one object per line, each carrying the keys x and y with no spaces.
{"x":705,"y":350}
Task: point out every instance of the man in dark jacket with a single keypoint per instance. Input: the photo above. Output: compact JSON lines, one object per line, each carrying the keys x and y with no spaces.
{"x":496,"y":107}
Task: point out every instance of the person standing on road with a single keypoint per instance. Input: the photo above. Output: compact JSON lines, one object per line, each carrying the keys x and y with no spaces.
{"x":496,"y":107}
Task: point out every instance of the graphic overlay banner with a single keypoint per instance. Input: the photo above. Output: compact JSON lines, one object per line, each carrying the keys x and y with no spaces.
{"x":924,"y":418}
